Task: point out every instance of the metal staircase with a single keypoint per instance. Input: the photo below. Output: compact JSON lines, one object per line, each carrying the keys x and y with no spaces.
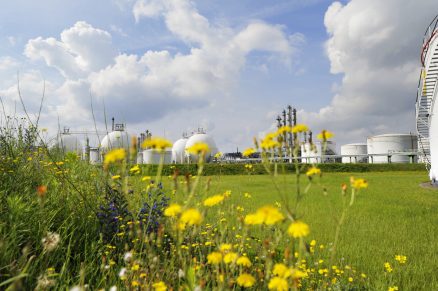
{"x":427,"y":89}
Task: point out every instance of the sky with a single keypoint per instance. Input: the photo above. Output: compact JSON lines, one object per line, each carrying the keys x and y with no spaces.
{"x":230,"y":67}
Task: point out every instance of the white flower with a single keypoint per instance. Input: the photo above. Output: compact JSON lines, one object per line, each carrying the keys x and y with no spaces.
{"x":51,"y":241}
{"x":181,"y":273}
{"x":113,"y":288}
{"x":122,"y":272}
{"x":127,"y":257}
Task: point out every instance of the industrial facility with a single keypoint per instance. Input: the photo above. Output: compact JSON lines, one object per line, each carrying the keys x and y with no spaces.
{"x":426,"y":111}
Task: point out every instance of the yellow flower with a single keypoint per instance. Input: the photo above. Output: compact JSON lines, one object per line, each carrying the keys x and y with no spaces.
{"x":218,"y":155}
{"x":135,"y":283}
{"x":313,"y":171}
{"x":297,"y":274}
{"x":199,"y":148}
{"x":393,"y":288}
{"x":268,"y":144}
{"x":191,"y":217}
{"x":248,"y":152}
{"x":284,"y":129}
{"x":214,"y":200}
{"x":298,"y":229}
{"x":358,"y":183}
{"x":300,"y":128}
{"x":146,"y":178}
{"x":267,"y":214}
{"x":281,"y":270}
{"x":245,"y":280}
{"x":214,"y":258}
{"x":325,"y":135}
{"x":225,"y":247}
{"x":279,"y":284}
{"x":230,"y":258}
{"x":135,"y":169}
{"x":159,"y":286}
{"x":135,"y":267}
{"x":401,"y":259}
{"x":388,"y":267}
{"x":156,"y":143}
{"x":114,"y":156}
{"x":115,"y":177}
{"x":172,"y":210}
{"x":244,"y":261}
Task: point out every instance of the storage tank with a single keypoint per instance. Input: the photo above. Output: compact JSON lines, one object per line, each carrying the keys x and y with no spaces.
{"x":354,"y":153}
{"x":201,"y":137}
{"x":179,"y":151}
{"x":94,"y":156}
{"x":385,"y":145}
{"x":433,"y":138}
{"x":311,"y":153}
{"x":153,"y":157}
{"x":115,"y":139}
{"x":69,"y":143}
{"x":140,"y":158}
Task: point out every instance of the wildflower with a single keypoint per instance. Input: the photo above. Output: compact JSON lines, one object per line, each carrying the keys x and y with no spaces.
{"x":313,"y":171}
{"x":127,"y":257}
{"x":214,"y":200}
{"x":198,"y":148}
{"x":41,"y":191}
{"x":191,"y":217}
{"x":253,"y":219}
{"x":268,"y":144}
{"x":218,"y":155}
{"x":325,"y":135}
{"x":156,"y":143}
{"x":244,"y":261}
{"x":214,"y":258}
{"x":247,"y":195}
{"x":358,"y":183}
{"x":173,"y":210}
{"x":135,"y":283}
{"x":268,"y":215}
{"x":278,"y":283}
{"x":114,"y":156}
{"x":393,"y":288}
{"x":225,"y":247}
{"x":51,"y":241}
{"x":284,"y":129}
{"x":350,"y":279}
{"x":146,"y":178}
{"x":230,"y":258}
{"x":401,"y":259}
{"x":388,"y":267}
{"x":248,"y":152}
{"x":135,"y":169}
{"x":300,"y":128}
{"x":122,"y":273}
{"x":135,"y":267}
{"x":245,"y":280}
{"x":298,"y":229}
{"x":159,"y":286}
{"x":227,"y":193}
{"x":44,"y":283}
{"x":281,"y":270}
{"x":115,"y":177}
{"x":297,"y":274}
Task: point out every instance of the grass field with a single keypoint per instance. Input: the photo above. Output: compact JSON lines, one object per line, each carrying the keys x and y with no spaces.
{"x":394,"y":215}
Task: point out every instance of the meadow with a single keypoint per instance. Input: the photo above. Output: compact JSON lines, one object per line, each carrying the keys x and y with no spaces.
{"x":65,"y":224}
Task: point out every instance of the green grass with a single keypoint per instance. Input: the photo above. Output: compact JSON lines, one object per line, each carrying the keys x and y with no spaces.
{"x":394,"y":215}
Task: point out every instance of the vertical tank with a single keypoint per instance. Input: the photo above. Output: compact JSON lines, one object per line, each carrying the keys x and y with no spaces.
{"x":386,"y":145}
{"x":313,"y":153}
{"x":353,"y":152}
{"x":153,"y":157}
{"x":94,"y":156}
{"x":179,"y":151}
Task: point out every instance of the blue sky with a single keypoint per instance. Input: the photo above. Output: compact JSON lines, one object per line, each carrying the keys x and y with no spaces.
{"x":348,"y":66}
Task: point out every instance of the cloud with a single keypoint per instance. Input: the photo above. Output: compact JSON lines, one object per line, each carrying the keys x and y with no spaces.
{"x":376,"y":46}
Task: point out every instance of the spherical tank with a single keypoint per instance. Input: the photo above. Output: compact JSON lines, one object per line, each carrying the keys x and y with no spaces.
{"x":115,"y":139}
{"x":201,"y":138}
{"x":179,"y":151}
{"x":353,"y":152}
{"x":388,"y":144}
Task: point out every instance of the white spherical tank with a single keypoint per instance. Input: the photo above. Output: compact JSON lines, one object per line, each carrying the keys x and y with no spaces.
{"x":179,"y":151}
{"x":354,"y":152}
{"x":115,"y":139}
{"x":153,"y":157}
{"x":386,"y":147}
{"x":69,"y":143}
{"x":201,"y":138}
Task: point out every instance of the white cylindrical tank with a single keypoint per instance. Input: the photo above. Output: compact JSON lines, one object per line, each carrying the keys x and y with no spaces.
{"x":353,"y":152}
{"x":94,"y":156}
{"x":388,"y":145}
{"x":140,"y":158}
{"x":153,"y":157}
{"x":201,"y":138}
{"x":179,"y":151}
{"x":312,"y":153}
{"x":115,"y":139}
{"x":69,"y":143}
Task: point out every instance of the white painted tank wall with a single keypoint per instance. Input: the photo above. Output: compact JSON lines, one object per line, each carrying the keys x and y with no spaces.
{"x":140,"y":158}
{"x":94,"y":156}
{"x":354,"y":149}
{"x":389,"y":143}
{"x":201,"y":138}
{"x":153,"y":157}
{"x":179,"y":151}
{"x":69,"y":143}
{"x":313,"y":155}
{"x":116,"y":139}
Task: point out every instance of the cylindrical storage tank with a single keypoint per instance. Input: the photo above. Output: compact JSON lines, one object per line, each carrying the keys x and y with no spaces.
{"x":312,"y":153}
{"x":354,"y":153}
{"x":69,"y":143}
{"x":387,"y":146}
{"x":94,"y":156}
{"x":179,"y":151}
{"x":201,"y":138}
{"x":115,"y":139}
{"x":140,"y":158}
{"x":153,"y":157}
